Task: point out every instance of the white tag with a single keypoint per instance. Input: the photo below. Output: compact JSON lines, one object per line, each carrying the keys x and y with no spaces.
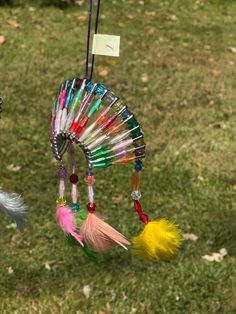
{"x":106,"y":45}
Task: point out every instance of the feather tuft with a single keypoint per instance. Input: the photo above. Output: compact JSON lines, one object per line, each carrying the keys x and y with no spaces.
{"x":12,"y":205}
{"x":159,"y":240}
{"x":66,"y":220}
{"x":99,"y":235}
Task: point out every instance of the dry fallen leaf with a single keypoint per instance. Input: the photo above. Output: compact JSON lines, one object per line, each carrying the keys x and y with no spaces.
{"x":47,"y":265}
{"x":190,"y":236}
{"x":232,"y":49}
{"x":2,"y":39}
{"x":10,"y":270}
{"x":13,"y":24}
{"x":117,"y":199}
{"x":13,"y":168}
{"x":216,"y":257}
{"x":103,"y":72}
{"x":215,"y":72}
{"x":86,"y":291}
{"x":144,"y":77}
{"x":11,"y":226}
{"x":16,"y":236}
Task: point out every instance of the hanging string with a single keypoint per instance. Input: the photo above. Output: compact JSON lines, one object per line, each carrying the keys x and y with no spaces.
{"x":88,"y":38}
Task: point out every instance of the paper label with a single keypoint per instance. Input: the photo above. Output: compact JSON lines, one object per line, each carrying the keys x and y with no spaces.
{"x":106,"y":45}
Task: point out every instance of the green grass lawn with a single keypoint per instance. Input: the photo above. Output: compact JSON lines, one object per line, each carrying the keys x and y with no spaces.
{"x":177,"y":72}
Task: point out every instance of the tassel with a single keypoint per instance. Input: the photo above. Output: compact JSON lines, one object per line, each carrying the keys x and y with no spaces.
{"x":99,"y":235}
{"x":66,"y":220}
{"x":12,"y":205}
{"x":159,"y":240}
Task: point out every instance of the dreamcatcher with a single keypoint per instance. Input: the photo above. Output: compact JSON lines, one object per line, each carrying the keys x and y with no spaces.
{"x":89,"y":115}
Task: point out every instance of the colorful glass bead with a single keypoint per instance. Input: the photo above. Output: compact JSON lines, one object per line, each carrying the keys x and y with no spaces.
{"x":62,"y":173}
{"x":61,"y":201}
{"x":138,"y":165}
{"x":74,"y":178}
{"x":136,"y":179}
{"x":136,"y":195}
{"x":91,"y":207}
{"x":90,"y":179}
{"x":144,"y":218}
{"x":74,"y":206}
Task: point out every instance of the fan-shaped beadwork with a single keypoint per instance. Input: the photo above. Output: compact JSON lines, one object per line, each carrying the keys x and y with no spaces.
{"x":100,"y":122}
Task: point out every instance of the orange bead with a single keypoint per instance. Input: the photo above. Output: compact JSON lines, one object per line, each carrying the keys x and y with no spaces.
{"x":136,"y":181}
{"x":90,"y":180}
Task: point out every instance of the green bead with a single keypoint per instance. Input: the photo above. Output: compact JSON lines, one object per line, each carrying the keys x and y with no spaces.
{"x":104,"y":164}
{"x":101,"y":153}
{"x":74,"y":206}
{"x":137,"y":132}
{"x":94,"y":107}
{"x":132,"y":122}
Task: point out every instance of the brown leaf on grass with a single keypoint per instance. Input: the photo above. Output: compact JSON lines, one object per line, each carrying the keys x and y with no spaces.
{"x":2,"y":39}
{"x":103,"y":72}
{"x":219,"y":125}
{"x":190,"y":236}
{"x":212,"y":60}
{"x":13,"y":168}
{"x":117,"y":199}
{"x":102,"y":312}
{"x":16,"y":236}
{"x":47,"y":265}
{"x":86,"y":291}
{"x":215,"y":72}
{"x":216,"y":257}
{"x":10,"y":270}
{"x":120,"y":24}
{"x":144,"y":77}
{"x":13,"y":24}
{"x":232,"y":49}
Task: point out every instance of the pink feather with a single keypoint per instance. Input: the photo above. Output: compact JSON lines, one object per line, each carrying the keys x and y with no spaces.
{"x":66,"y":220}
{"x":99,"y":235}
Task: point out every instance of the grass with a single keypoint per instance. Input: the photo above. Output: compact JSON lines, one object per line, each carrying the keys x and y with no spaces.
{"x":187,"y":111}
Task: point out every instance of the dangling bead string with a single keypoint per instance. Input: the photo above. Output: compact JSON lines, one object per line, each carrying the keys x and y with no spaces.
{"x":62,"y":173}
{"x":136,"y":195}
{"x":73,"y":179}
{"x":90,"y":180}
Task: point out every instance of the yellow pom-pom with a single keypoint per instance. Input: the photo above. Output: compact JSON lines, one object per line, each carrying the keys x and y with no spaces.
{"x":159,"y":240}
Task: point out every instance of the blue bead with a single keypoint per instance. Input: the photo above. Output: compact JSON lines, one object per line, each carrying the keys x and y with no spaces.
{"x":126,"y":114}
{"x":138,"y":165}
{"x":89,"y":86}
{"x":100,"y":89}
{"x":74,"y":206}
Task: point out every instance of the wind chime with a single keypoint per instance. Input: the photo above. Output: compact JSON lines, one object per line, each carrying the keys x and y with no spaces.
{"x":91,"y":116}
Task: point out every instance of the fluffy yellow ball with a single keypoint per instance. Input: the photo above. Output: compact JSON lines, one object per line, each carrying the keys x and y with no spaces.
{"x":159,"y":240}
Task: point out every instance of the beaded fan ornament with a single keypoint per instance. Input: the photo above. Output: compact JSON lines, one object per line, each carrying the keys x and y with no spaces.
{"x":91,"y":116}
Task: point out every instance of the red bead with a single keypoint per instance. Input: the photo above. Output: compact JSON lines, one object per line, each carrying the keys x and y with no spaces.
{"x":91,"y":207}
{"x":138,"y":207}
{"x":74,"y":178}
{"x":144,"y":218}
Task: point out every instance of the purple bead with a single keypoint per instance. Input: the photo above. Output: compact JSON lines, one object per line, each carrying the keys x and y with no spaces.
{"x":62,"y":173}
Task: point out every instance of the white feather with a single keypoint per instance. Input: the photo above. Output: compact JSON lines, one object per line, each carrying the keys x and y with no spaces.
{"x":12,"y":205}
